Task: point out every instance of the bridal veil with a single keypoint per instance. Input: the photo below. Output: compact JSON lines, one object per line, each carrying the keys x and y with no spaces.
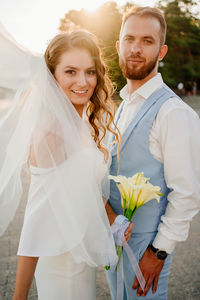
{"x":69,"y":167}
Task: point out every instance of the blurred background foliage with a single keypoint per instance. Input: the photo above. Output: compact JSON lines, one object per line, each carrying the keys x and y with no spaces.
{"x":182,"y":63}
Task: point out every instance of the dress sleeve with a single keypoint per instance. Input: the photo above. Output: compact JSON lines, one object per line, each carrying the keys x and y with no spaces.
{"x":40,"y":234}
{"x":65,"y":212}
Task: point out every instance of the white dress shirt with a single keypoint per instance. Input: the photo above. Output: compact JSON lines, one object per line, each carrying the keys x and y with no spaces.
{"x":174,"y":140}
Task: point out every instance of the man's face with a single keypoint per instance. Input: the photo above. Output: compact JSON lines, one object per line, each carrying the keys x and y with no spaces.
{"x":139,"y":47}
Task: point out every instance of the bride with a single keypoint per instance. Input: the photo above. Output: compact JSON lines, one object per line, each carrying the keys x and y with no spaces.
{"x":53,"y":133}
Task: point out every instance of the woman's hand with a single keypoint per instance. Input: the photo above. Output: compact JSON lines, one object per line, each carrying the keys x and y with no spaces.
{"x":128,"y":232}
{"x":112,"y":216}
{"x":110,"y":213}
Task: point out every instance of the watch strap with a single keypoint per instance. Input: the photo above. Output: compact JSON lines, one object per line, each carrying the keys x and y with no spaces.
{"x":161,"y":254}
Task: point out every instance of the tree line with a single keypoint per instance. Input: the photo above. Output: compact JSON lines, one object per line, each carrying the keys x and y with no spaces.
{"x":182,"y":63}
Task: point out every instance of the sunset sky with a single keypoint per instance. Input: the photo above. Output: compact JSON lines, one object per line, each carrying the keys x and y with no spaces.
{"x":33,"y":22}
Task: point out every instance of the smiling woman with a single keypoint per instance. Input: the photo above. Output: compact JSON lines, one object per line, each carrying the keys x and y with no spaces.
{"x":76,"y":62}
{"x":76,"y":74}
{"x":65,"y":160}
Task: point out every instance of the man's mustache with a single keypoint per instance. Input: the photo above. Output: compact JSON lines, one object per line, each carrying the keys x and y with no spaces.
{"x":135,"y":56}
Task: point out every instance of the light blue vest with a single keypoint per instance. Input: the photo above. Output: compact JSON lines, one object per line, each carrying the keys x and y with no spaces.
{"x":136,"y":157}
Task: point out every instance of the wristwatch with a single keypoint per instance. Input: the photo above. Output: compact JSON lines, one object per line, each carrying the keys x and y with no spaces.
{"x":161,"y":254}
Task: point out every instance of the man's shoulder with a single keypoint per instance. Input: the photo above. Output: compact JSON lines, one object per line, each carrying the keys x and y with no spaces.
{"x":175,"y":106}
{"x":170,"y":91}
{"x":174,"y":102}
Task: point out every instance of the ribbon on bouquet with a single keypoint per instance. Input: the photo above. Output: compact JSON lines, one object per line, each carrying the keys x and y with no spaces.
{"x":117,"y":229}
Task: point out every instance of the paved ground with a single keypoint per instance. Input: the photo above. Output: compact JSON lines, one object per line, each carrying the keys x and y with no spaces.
{"x":184,"y":282}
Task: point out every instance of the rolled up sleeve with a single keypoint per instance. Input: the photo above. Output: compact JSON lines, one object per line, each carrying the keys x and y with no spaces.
{"x":179,"y":135}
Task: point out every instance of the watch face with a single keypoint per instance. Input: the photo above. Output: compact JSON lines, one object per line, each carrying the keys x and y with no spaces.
{"x":161,"y":254}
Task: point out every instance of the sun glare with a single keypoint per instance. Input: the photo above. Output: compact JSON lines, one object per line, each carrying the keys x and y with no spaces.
{"x":90,"y":5}
{"x":91,"y":9}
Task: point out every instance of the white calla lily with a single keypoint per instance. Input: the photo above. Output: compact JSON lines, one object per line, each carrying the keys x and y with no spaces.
{"x":135,"y":191}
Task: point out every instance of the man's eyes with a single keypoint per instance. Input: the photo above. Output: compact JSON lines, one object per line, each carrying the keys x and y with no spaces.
{"x":128,"y":38}
{"x":131,"y":39}
{"x":148,"y":41}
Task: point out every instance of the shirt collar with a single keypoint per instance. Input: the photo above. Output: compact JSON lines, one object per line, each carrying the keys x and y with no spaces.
{"x":145,"y":91}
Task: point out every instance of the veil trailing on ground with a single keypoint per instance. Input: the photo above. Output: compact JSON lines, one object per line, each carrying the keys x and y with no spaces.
{"x":67,"y":166}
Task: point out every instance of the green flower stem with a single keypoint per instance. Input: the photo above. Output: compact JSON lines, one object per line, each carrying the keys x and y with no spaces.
{"x":129,"y":214}
{"x":124,"y":206}
{"x":161,"y":194}
{"x":119,"y":250}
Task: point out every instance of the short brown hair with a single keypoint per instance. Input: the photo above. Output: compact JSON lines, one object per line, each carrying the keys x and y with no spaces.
{"x":147,"y":11}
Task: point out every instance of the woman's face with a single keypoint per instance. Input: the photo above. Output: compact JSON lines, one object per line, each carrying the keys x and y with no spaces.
{"x":76,"y":74}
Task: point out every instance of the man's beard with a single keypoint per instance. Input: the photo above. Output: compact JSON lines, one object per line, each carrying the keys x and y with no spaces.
{"x":137,"y":74}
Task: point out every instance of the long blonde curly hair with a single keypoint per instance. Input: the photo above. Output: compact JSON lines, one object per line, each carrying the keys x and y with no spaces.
{"x":100,"y":109}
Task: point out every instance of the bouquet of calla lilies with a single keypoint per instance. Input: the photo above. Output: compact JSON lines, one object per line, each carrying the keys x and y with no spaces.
{"x":135,"y":191}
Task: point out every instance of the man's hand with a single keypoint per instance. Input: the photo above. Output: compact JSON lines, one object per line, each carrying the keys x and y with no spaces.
{"x":150,"y":267}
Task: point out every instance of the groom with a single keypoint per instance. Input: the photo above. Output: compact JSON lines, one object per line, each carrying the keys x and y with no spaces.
{"x":160,"y":137}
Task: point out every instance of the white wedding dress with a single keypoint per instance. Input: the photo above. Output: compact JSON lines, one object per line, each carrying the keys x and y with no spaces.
{"x":57,"y":277}
{"x":65,"y":222}
{"x":61,"y":278}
